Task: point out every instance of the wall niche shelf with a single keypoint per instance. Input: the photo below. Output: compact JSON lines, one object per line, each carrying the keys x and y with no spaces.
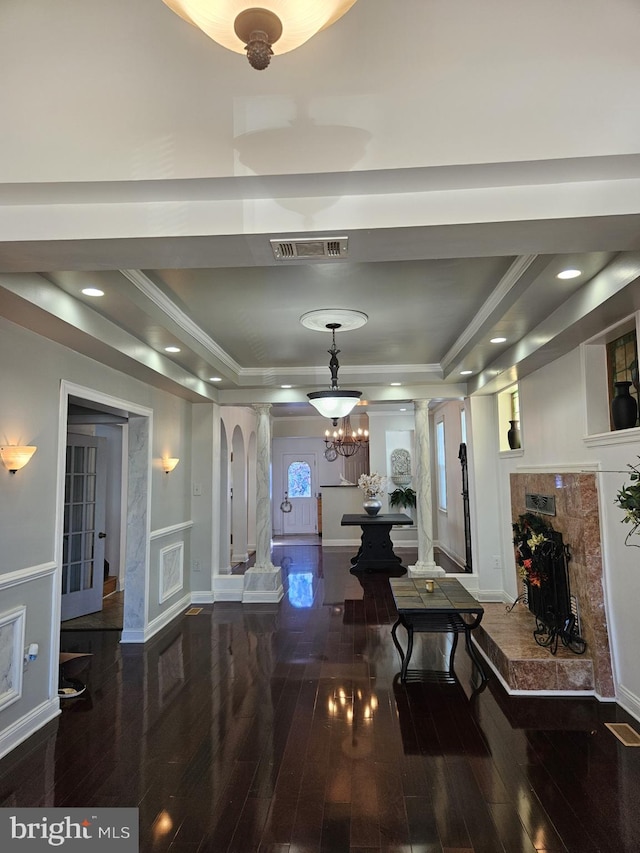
{"x":596,"y":384}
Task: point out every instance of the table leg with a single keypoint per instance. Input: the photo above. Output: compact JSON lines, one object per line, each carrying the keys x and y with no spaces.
{"x":404,"y":658}
{"x":395,"y":639}
{"x":473,"y":655}
{"x":452,"y":654}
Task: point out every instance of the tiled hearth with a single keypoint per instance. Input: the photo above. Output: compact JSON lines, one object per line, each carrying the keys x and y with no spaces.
{"x":507,"y":638}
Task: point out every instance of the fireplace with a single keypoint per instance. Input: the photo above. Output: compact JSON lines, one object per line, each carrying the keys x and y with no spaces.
{"x":573,"y":498}
{"x":543,"y":558}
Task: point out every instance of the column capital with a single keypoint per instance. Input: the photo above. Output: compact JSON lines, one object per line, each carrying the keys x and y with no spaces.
{"x":261,"y":407}
{"x":422,"y":404}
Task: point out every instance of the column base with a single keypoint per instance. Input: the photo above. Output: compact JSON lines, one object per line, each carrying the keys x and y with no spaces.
{"x":425,"y":570}
{"x":263,"y":585}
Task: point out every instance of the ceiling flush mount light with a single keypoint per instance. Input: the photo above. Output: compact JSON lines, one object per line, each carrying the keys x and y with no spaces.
{"x":466,"y":372}
{"x":16,"y":457}
{"x":172,"y":349}
{"x":261,"y":32}
{"x":334,"y":403}
{"x":169,"y":463}
{"x":344,"y":441}
{"x":92,"y":291}
{"x":497,"y":340}
{"x":569,"y":274}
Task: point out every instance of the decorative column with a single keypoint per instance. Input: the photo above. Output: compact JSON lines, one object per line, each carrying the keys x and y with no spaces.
{"x":425,"y":565}
{"x":263,"y":582}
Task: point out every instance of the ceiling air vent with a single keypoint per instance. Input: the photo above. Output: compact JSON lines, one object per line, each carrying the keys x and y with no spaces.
{"x":286,"y":250}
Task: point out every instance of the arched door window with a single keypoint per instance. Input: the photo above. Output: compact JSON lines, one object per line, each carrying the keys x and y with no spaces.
{"x":299,"y":480}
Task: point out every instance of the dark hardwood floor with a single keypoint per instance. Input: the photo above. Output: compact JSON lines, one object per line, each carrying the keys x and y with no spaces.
{"x":284,"y":730}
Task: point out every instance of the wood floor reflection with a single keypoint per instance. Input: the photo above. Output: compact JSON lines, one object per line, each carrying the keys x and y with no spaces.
{"x":283,"y":729}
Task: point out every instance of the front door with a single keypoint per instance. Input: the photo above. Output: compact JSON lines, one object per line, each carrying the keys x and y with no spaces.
{"x":84,"y":520}
{"x":300,"y":487}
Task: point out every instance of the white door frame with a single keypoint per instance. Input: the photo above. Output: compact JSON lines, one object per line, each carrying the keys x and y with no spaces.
{"x":311,"y":458}
{"x":136,"y":484}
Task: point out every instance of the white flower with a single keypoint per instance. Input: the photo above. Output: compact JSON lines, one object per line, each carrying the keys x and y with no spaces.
{"x":372,"y":484}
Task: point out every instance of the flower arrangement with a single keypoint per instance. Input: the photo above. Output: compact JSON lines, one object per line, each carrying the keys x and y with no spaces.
{"x":371,"y":484}
{"x":530,"y":535}
{"x":628,"y":499}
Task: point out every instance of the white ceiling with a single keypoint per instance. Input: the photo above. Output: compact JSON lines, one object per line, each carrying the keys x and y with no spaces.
{"x":468,"y":151}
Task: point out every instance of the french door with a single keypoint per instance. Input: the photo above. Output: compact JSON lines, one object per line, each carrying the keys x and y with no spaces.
{"x":84,"y":523}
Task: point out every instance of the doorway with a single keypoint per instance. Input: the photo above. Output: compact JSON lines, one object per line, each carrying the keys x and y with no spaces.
{"x":128,"y":498}
{"x":300,"y":513}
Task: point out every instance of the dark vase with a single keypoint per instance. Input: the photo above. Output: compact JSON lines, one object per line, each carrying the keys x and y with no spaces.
{"x":513,"y":436}
{"x":624,"y":409}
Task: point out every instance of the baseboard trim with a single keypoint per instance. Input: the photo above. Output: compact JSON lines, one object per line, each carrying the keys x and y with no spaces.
{"x":629,"y":701}
{"x":261,"y":596}
{"x":143,"y":635}
{"x":28,"y":725}
{"x":228,"y":587}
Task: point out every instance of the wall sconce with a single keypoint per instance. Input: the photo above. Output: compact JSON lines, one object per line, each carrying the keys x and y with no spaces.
{"x":16,"y":457}
{"x":169,"y":463}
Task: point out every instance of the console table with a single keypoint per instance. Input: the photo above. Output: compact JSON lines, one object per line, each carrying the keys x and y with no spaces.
{"x":376,"y":549}
{"x":442,"y":611}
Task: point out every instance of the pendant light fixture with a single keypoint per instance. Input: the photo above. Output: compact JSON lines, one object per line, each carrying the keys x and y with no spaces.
{"x":345,"y":441}
{"x":276,"y":27}
{"x":334,"y":403}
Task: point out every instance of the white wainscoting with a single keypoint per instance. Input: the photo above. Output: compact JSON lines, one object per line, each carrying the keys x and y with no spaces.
{"x":12,"y":627}
{"x":171,"y":571}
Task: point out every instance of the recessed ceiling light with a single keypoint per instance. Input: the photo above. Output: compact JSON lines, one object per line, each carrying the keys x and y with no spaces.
{"x":466,"y":372}
{"x":498,"y":340}
{"x":92,"y":291}
{"x":215,"y":379}
{"x":172,"y":349}
{"x":569,"y":274}
{"x":403,"y":410}
{"x":285,"y":386}
{"x":395,"y":383}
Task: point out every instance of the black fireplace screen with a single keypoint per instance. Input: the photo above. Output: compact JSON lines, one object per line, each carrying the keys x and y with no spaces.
{"x":542,"y":560}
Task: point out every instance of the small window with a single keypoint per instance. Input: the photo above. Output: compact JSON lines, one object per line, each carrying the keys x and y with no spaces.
{"x":299,"y":480}
{"x":442,"y":466}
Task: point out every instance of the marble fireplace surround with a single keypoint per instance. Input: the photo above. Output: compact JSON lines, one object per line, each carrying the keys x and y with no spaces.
{"x":578,"y":520}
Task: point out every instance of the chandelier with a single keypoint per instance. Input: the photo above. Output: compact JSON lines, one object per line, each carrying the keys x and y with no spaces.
{"x":274,"y":28}
{"x":334,"y":403}
{"x":344,"y":441}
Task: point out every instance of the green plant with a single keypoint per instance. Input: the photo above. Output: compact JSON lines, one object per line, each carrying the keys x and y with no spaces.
{"x":402,"y":497}
{"x":628,"y":499}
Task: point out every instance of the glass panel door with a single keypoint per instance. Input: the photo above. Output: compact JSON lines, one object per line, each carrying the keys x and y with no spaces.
{"x":83,"y":533}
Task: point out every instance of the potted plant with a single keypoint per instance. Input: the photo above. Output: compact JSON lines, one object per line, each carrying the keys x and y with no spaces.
{"x":628,"y":499}
{"x":402,"y":498}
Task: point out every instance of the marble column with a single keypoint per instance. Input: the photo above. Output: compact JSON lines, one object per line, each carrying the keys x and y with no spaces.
{"x":425,"y":565}
{"x":263,"y":582}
